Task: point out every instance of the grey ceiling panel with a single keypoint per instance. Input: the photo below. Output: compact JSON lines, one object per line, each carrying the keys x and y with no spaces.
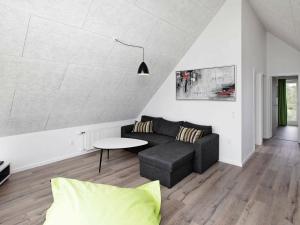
{"x":13,"y":27}
{"x":39,"y":75}
{"x":71,"y":12}
{"x":24,"y":124}
{"x":196,"y":12}
{"x":60,"y":66}
{"x":119,"y":19}
{"x":57,"y":42}
{"x":281,"y":18}
{"x":58,"y":120}
{"x":296,"y":10}
{"x":8,"y":82}
{"x":31,"y":102}
{"x":174,"y":44}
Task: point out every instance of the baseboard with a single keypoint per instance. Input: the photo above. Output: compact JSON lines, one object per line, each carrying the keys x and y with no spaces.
{"x":249,"y":156}
{"x":231,"y":162}
{"x":43,"y":163}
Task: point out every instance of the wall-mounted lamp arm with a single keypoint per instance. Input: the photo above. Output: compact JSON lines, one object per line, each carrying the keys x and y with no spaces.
{"x":135,"y":46}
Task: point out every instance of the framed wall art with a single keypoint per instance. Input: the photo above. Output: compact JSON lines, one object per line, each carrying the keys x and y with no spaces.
{"x":216,"y":83}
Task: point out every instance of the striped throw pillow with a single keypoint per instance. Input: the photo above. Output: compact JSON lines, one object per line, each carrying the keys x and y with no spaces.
{"x":143,"y":127}
{"x":189,"y":134}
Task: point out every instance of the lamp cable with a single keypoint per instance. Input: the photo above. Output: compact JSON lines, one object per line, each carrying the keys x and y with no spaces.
{"x":129,"y":45}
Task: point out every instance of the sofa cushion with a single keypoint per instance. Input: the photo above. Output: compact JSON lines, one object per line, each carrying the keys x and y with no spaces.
{"x":169,"y":156}
{"x":85,"y":203}
{"x":143,"y":127}
{"x":189,"y":134}
{"x":166,"y":127}
{"x":155,"y":121}
{"x":206,"y":129}
{"x":153,"y":139}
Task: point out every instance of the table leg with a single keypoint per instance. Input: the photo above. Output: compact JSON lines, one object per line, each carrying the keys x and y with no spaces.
{"x":101,"y":151}
{"x":107,"y":153}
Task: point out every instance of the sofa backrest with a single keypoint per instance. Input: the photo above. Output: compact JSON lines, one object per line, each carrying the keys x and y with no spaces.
{"x":166,"y":127}
{"x":145,"y":118}
{"x":163,"y":126}
{"x":207,"y":129}
{"x":171,"y":128}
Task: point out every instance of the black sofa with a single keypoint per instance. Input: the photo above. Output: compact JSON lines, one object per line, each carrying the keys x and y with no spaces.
{"x":168,"y":160}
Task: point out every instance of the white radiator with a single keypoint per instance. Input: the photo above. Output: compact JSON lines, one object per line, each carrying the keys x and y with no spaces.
{"x":91,"y":136}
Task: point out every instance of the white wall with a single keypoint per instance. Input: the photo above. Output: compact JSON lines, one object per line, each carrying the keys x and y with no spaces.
{"x":35,"y":149}
{"x":218,"y":45}
{"x":267,"y":107}
{"x":253,"y":66}
{"x":282,"y":59}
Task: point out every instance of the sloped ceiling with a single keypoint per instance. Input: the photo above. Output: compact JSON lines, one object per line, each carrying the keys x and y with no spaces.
{"x":281,"y":18}
{"x":59,"y":65}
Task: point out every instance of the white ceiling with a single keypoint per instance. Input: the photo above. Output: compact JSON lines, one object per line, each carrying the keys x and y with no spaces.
{"x":59,"y":65}
{"x":281,"y":18}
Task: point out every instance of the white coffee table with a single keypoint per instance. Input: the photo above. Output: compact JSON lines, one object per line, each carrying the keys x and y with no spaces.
{"x":115,"y":144}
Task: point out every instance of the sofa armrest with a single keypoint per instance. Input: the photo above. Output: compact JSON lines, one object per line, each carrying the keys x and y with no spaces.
{"x":206,"y":152}
{"x":126,"y":129}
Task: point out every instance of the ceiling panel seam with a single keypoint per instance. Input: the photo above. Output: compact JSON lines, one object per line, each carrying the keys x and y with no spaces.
{"x":12,"y":102}
{"x":161,"y":19}
{"x":87,"y":14}
{"x":26,"y":36}
{"x":75,"y":27}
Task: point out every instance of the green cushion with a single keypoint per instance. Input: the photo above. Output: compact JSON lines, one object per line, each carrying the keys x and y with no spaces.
{"x":85,"y":203}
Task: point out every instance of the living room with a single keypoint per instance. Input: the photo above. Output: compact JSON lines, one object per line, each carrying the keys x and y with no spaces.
{"x":158,"y":112}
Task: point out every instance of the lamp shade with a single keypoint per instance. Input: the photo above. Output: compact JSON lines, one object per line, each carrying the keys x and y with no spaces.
{"x":143,"y":70}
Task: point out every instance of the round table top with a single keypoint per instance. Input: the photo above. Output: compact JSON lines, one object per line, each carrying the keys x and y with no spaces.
{"x":118,"y":143}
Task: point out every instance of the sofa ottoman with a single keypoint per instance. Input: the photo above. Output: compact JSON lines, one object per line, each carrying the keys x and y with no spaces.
{"x":169,"y":163}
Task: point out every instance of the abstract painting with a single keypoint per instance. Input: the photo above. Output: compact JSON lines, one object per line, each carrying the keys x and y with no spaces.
{"x":216,"y":83}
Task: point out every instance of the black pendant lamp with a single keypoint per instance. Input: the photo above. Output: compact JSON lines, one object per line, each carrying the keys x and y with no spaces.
{"x":143,"y":68}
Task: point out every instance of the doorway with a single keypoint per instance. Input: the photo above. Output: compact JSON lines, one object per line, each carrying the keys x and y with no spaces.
{"x":292,"y":99}
{"x":285,"y":108}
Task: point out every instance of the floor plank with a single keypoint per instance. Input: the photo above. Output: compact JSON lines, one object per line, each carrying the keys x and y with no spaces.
{"x":288,"y":133}
{"x":265,"y":192}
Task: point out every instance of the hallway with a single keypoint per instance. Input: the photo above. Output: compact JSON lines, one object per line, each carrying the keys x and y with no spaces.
{"x":288,"y":133}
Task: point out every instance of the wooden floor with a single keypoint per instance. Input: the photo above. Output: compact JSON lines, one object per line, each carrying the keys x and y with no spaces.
{"x":265,"y":191}
{"x":288,"y":133}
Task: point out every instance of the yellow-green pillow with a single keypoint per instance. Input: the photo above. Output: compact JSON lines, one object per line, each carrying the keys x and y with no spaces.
{"x":85,"y":203}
